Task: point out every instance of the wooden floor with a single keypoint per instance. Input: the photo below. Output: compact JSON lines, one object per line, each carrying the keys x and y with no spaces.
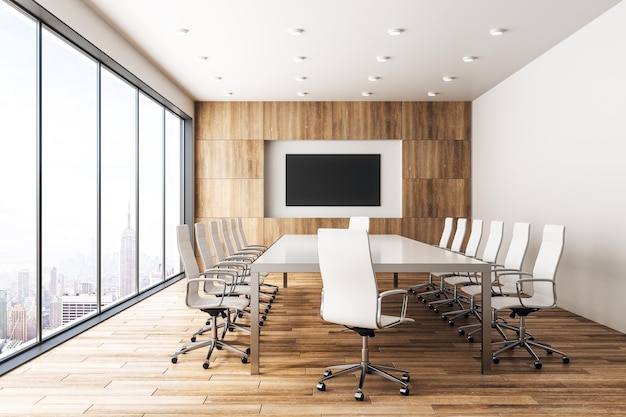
{"x":122,"y":367}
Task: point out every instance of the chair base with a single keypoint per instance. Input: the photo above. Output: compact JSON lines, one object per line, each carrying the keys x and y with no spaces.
{"x":525,"y":340}
{"x":365,"y":367}
{"x":215,"y":341}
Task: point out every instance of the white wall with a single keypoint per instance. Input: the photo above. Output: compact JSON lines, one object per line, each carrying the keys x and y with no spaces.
{"x":549,"y":146}
{"x":83,"y":20}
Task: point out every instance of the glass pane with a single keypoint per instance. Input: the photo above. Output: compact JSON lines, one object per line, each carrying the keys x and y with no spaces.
{"x":18,"y":192}
{"x":173,"y":190}
{"x":150,"y":192}
{"x":118,"y":188}
{"x":69,"y":172}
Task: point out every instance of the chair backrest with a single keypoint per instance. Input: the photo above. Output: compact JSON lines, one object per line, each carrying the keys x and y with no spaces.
{"x":359,"y":222}
{"x":228,"y":244}
{"x":242,"y":234}
{"x":494,"y":241}
{"x":202,"y":242}
{"x":476,"y":234}
{"x":548,"y":258}
{"x":459,"y":235}
{"x":518,"y":246}
{"x":234,"y":232}
{"x":218,"y":250}
{"x":349,"y":293}
{"x":446,"y":233}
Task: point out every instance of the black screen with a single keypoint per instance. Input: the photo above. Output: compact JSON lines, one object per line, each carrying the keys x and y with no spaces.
{"x":333,"y":179}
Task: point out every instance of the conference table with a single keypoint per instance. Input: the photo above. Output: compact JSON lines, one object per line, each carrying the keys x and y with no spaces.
{"x":390,"y":253}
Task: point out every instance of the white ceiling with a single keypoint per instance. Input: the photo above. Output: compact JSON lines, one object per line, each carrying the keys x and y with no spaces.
{"x":248,"y":44}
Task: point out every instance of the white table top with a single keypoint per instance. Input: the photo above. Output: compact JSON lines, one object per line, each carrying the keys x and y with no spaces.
{"x":390,"y":253}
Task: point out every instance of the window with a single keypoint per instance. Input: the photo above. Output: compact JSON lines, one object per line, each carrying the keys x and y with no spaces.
{"x":92,"y":182}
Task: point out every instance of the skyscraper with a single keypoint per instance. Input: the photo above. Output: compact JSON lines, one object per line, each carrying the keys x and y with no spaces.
{"x":23,"y":287}
{"x":3,"y":314}
{"x":127,"y":260}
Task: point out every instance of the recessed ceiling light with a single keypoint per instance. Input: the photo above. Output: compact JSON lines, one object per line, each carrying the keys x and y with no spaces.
{"x":303,"y":93}
{"x":373,"y":78}
{"x":300,"y":78}
{"x":298,"y":58}
{"x":366,"y":93}
{"x":433,"y":94}
{"x":218,"y":78}
{"x":296,"y":31}
{"x":203,"y":58}
{"x":497,"y":31}
{"x":230,"y":93}
{"x":469,"y":58}
{"x":382,"y":58}
{"x":182,"y":31}
{"x":395,"y":31}
{"x":448,"y":78}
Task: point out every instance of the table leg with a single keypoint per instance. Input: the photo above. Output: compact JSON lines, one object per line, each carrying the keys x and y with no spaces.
{"x":395,"y":280}
{"x":284,"y":280}
{"x":254,"y":324}
{"x":486,"y":324}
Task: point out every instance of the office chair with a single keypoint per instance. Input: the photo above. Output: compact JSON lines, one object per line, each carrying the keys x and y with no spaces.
{"x":240,"y":286}
{"x":236,"y":228}
{"x":350,"y":298}
{"x":512,"y":262}
{"x":208,"y":292}
{"x":443,"y":243}
{"x":359,"y":222}
{"x":242,"y":260}
{"x":457,"y":242}
{"x":542,"y":296}
{"x":490,"y":255}
{"x":242,"y":236}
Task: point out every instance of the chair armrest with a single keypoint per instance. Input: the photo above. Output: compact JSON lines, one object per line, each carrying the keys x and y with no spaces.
{"x":227,"y":279}
{"x":405,"y":300}
{"x":523,"y":281}
{"x":202,"y":281}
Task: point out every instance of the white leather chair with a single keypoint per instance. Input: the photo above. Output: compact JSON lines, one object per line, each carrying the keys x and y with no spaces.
{"x":359,"y":222}
{"x":210,"y":293}
{"x":350,"y":298}
{"x":443,"y":243}
{"x":513,"y":261}
{"x":533,"y":294}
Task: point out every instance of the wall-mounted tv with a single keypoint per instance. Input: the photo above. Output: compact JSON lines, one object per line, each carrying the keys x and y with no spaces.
{"x":332,"y":179}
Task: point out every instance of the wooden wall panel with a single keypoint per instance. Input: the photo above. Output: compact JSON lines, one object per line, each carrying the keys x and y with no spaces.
{"x":229,"y":159}
{"x":436,"y":159}
{"x":367,"y":120}
{"x":436,"y":120}
{"x":229,"y":120}
{"x":229,"y":198}
{"x":436,"y":198}
{"x":298,"y":120}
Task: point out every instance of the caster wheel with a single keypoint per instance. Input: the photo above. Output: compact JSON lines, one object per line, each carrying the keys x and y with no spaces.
{"x":404,"y":391}
{"x":261,"y":323}
{"x":205,"y":365}
{"x":359,"y":396}
{"x":406,"y":378}
{"x":174,"y":359}
{"x":247,"y":351}
{"x":412,"y":292}
{"x":451,"y":323}
{"x":495,"y":359}
{"x":423,"y":301}
{"x":218,"y":347}
{"x":470,"y":339}
{"x":321,"y":386}
{"x":244,"y":359}
{"x":461,"y":332}
{"x":438,"y":295}
{"x":443,"y":317}
{"x":466,"y":315}
{"x":193,"y":339}
{"x":436,"y":310}
{"x":240,"y":315}
{"x":430,"y":306}
{"x":565,"y":359}
{"x":537,"y":365}
{"x":327,"y":373}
